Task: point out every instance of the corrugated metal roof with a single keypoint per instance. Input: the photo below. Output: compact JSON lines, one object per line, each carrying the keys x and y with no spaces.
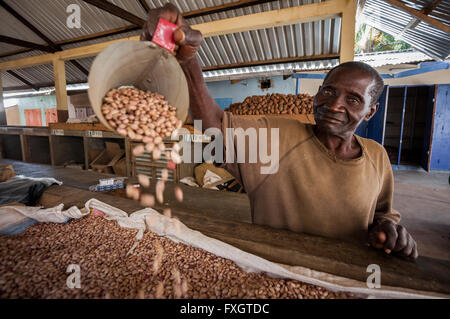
{"x":13,"y":28}
{"x":265,"y":70}
{"x":391,"y":57}
{"x":314,"y":38}
{"x":50,"y":17}
{"x":10,"y":81}
{"x":424,"y":37}
{"x":226,"y":51}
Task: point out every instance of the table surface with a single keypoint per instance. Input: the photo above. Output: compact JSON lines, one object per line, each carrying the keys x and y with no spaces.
{"x":226,"y":216}
{"x":336,"y":257}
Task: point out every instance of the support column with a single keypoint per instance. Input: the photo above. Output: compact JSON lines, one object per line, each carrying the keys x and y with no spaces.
{"x":347,"y":49}
{"x":2,"y":105}
{"x":62,"y":105}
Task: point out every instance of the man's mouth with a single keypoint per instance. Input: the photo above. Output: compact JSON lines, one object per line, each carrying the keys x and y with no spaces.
{"x":330,"y":119}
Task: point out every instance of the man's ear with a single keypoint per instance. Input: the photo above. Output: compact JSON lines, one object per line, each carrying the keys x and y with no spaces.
{"x":373,"y":110}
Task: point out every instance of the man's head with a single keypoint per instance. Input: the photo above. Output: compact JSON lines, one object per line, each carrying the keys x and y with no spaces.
{"x":349,"y":95}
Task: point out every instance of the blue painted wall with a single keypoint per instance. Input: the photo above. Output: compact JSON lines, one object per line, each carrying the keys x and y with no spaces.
{"x":237,"y":92}
{"x":36,"y":102}
{"x":440,"y":148}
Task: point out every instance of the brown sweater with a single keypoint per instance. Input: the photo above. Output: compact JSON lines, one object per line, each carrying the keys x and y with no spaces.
{"x":313,"y":191}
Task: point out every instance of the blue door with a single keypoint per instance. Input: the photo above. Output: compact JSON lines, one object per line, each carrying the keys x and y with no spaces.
{"x":431,"y":109}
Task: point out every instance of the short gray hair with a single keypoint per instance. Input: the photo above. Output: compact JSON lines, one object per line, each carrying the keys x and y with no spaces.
{"x":376,"y":90}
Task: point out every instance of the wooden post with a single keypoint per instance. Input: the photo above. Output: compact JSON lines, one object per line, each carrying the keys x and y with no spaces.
{"x":62,"y":106}
{"x":86,"y":152}
{"x":24,"y":147}
{"x":2,"y":105}
{"x":347,"y":49}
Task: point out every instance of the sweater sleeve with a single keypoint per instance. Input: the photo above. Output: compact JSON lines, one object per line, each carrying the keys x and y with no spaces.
{"x":384,"y":208}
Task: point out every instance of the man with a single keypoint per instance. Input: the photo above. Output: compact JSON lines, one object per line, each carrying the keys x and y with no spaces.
{"x":329,"y":181}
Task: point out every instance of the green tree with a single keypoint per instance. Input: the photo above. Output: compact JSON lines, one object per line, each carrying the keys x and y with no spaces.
{"x":369,"y":39}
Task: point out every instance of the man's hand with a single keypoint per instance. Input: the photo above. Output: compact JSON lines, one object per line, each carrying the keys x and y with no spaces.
{"x":391,"y":237}
{"x":186,"y":39}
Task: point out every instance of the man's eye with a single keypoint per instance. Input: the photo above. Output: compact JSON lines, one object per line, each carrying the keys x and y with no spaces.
{"x":353,"y":101}
{"x":327,"y":91}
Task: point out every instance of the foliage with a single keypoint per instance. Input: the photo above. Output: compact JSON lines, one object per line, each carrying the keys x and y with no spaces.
{"x":369,"y":39}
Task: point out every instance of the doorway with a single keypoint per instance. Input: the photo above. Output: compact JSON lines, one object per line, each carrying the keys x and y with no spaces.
{"x":406,"y":129}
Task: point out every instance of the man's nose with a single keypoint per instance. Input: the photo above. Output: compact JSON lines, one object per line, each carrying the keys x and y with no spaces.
{"x":336,"y":104}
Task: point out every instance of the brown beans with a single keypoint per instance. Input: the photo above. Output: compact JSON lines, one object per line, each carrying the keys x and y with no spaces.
{"x":140,"y":115}
{"x":274,"y":104}
{"x":34,"y":265}
{"x":144,"y":180}
{"x":178,"y":194}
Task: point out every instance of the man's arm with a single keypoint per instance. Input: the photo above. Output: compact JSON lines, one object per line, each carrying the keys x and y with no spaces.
{"x":202,"y":105}
{"x":385,"y":233}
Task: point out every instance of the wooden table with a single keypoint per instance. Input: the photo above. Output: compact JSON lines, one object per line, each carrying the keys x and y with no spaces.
{"x":336,"y":257}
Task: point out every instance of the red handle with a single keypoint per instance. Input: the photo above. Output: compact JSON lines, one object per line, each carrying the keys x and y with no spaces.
{"x":164,"y":34}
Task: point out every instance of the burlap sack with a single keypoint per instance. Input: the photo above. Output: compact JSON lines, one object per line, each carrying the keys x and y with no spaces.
{"x":6,"y":172}
{"x":201,"y":169}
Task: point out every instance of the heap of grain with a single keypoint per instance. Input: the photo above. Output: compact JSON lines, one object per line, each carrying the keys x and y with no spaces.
{"x":274,"y":104}
{"x":140,"y":115}
{"x":34,"y":265}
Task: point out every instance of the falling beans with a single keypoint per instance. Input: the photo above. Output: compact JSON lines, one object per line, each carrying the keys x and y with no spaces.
{"x":144,"y":180}
{"x":179,"y":194}
{"x":132,"y":192}
{"x":138,"y":150}
{"x":156,"y":154}
{"x":160,"y":186}
{"x":165,"y":174}
{"x":147,"y":200}
{"x":167,"y":212}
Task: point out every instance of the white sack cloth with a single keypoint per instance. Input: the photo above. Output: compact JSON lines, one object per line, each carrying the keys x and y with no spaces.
{"x":172,"y":228}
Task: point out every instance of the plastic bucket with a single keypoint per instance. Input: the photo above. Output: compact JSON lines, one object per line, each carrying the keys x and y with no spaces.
{"x":141,"y":64}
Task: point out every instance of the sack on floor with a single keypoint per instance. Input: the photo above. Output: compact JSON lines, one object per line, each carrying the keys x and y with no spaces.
{"x":6,"y":172}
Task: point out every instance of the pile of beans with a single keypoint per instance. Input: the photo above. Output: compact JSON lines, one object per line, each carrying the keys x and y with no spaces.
{"x":34,"y":265}
{"x":274,"y":104}
{"x":140,"y":115}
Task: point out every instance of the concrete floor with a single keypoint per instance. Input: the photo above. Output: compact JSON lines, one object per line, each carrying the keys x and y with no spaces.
{"x":422,"y":198}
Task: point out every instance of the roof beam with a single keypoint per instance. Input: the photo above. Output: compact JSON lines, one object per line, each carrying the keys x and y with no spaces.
{"x":144,"y":5}
{"x":273,"y":61}
{"x":25,"y":44}
{"x":300,"y":14}
{"x":129,"y":28}
{"x":24,"y":21}
{"x":94,"y":36}
{"x":222,"y":8}
{"x":187,"y":15}
{"x":21,"y":79}
{"x":38,"y":86}
{"x":52,"y":47}
{"x":274,"y":18}
{"x":419,"y":15}
{"x":116,"y":11}
{"x":415,"y":21}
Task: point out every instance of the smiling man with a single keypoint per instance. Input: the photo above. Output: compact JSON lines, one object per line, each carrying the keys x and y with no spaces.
{"x":329,"y":181}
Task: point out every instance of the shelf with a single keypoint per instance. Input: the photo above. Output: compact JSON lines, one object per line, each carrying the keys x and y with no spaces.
{"x":303,"y":118}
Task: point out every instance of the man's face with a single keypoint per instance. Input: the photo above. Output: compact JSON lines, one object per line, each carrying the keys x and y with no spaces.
{"x":343,"y":101}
